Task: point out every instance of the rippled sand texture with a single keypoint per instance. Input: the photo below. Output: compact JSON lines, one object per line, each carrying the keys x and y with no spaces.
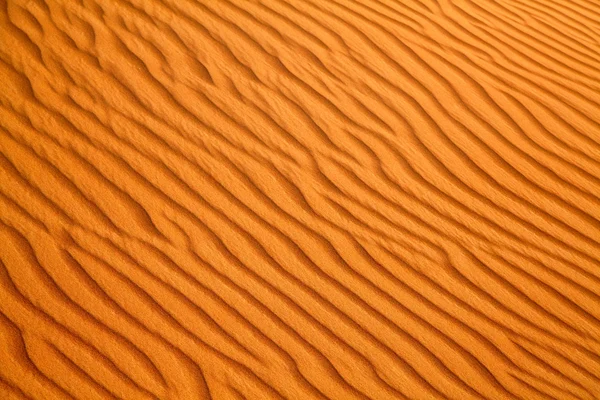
{"x":300,"y":199}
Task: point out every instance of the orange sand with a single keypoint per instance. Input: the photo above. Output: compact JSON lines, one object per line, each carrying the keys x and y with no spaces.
{"x":300,"y":199}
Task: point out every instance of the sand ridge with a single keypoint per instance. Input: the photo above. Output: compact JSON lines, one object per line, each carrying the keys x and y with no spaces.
{"x":300,"y":199}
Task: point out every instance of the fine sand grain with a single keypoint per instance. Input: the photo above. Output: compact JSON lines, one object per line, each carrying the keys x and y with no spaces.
{"x":300,"y":199}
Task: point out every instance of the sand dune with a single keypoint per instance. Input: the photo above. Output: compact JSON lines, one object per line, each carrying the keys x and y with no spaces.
{"x":300,"y":199}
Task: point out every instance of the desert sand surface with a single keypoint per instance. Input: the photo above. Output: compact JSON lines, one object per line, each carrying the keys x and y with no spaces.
{"x":300,"y":199}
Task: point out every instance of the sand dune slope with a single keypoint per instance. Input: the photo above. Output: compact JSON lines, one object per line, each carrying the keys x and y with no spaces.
{"x":300,"y":199}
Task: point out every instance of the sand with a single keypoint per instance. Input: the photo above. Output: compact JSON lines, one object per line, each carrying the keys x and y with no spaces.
{"x":300,"y":199}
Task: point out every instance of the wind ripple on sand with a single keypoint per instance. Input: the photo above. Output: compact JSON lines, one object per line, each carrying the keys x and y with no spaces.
{"x":362,"y":199}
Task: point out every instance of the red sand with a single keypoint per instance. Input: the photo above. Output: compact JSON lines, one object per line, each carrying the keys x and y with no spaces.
{"x":300,"y":199}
